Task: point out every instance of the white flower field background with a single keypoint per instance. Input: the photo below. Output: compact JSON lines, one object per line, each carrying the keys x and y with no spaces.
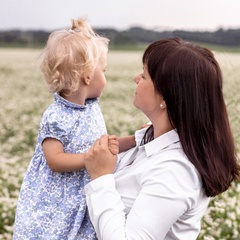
{"x":24,"y":97}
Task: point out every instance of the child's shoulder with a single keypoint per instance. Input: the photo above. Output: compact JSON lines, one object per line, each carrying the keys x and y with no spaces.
{"x":53,"y":112}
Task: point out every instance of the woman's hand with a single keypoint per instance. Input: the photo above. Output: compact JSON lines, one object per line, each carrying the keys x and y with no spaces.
{"x":99,"y":160}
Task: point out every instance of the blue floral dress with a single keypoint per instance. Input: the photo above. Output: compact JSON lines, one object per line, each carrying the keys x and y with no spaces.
{"x":52,"y":205}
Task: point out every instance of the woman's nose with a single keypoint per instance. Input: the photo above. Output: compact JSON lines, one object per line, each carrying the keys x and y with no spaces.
{"x":137,"y":78}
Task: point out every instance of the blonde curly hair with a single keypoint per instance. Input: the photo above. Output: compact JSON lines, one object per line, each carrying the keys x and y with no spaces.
{"x":70,"y":55}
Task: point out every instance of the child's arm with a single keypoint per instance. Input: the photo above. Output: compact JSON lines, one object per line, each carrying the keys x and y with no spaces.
{"x":126,"y":143}
{"x":58,"y":160}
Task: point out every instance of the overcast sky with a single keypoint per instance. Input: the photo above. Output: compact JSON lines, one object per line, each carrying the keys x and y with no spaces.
{"x":121,"y":14}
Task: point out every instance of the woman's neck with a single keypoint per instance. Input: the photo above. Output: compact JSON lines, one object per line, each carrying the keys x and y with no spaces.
{"x":161,"y":125}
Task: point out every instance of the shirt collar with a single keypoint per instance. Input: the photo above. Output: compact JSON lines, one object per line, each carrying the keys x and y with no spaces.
{"x":159,"y":143}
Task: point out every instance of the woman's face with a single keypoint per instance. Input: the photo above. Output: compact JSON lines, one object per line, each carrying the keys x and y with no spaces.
{"x":146,"y":98}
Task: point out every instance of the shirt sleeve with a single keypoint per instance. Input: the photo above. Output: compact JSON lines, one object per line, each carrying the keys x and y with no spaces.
{"x":167,"y":191}
{"x":105,"y":206}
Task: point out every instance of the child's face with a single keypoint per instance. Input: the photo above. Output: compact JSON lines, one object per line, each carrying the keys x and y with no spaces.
{"x":98,"y":80}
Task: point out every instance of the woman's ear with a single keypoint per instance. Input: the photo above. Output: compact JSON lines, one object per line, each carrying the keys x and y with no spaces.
{"x":163,"y":104}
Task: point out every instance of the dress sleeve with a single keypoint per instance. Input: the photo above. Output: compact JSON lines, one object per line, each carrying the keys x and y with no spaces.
{"x":167,"y":191}
{"x":53,"y":126}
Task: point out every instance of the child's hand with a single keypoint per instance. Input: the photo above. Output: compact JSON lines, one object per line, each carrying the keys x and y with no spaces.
{"x":145,"y":125}
{"x":113,"y":144}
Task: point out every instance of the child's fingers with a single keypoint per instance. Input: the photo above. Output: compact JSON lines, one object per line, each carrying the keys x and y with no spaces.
{"x":112,"y":137}
{"x":145,"y":125}
{"x":114,"y":150}
{"x":113,"y":144}
{"x":113,"y":147}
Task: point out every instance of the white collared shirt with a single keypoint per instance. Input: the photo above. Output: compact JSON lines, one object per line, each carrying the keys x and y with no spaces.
{"x":156,"y":193}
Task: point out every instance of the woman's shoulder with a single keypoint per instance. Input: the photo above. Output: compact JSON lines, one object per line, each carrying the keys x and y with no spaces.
{"x":173,"y":164}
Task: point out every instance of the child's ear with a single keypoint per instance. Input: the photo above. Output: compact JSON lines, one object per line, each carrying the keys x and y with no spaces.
{"x":86,"y":80}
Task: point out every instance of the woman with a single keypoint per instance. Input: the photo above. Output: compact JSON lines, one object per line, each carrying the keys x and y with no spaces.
{"x":162,"y":187}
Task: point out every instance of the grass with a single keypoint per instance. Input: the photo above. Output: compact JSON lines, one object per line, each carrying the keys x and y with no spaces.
{"x":24,"y":97}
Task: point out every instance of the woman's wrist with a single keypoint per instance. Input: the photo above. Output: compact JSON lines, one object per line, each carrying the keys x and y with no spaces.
{"x":103,"y":181}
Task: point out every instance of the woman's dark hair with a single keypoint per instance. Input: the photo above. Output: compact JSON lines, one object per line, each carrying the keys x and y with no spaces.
{"x":190,"y":81}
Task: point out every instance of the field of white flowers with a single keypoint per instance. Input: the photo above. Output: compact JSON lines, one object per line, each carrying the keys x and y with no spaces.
{"x":24,"y":97}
